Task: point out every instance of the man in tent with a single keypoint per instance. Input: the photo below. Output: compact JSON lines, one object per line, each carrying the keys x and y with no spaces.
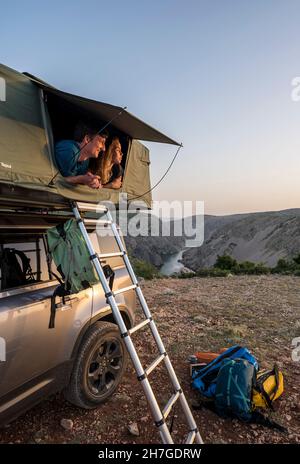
{"x":72,"y":156}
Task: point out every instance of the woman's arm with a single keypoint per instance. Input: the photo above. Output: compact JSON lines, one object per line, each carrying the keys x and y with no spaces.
{"x":115,"y":184}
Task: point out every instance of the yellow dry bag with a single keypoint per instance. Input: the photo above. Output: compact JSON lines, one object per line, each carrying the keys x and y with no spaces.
{"x":268,"y":387}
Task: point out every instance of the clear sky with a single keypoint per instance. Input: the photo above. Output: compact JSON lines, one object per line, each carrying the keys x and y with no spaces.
{"x":213,"y":74}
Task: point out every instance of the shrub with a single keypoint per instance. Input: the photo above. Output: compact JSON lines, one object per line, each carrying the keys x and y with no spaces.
{"x":225,"y":262}
{"x":285,"y":267}
{"x":144,"y":269}
{"x":246,"y":267}
{"x":214,"y":272}
{"x":225,"y":265}
{"x":185,"y":275}
{"x":297,"y":260}
{"x":203,"y":272}
{"x":260,"y":268}
{"x":249,"y":268}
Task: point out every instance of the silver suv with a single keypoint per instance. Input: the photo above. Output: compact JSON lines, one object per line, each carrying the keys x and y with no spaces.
{"x":84,"y":354}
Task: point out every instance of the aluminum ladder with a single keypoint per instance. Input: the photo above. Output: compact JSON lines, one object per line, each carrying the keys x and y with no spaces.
{"x":159,"y":415}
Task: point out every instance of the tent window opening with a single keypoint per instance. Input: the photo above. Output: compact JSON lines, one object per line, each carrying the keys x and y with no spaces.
{"x":65,"y":115}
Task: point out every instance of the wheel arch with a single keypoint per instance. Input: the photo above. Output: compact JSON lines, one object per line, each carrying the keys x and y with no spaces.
{"x":105,"y":316}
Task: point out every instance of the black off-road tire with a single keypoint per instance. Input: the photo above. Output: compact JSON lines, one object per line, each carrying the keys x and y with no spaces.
{"x":99,"y":366}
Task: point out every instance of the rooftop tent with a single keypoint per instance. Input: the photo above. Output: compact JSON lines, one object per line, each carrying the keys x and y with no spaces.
{"x":33,"y":115}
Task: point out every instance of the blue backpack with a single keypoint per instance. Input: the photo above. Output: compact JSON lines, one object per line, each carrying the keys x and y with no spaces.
{"x":204,"y":378}
{"x":227,"y":383}
{"x":233,"y":395}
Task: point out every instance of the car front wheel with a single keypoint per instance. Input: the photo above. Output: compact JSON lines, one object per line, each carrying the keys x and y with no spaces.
{"x":99,"y":366}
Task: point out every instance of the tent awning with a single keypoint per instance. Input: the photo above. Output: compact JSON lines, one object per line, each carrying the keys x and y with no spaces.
{"x":126,"y":122}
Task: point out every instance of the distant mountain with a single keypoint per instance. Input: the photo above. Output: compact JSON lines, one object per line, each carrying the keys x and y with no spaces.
{"x":258,"y":237}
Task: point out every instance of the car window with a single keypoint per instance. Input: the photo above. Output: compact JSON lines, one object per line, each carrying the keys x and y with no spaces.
{"x":23,"y":263}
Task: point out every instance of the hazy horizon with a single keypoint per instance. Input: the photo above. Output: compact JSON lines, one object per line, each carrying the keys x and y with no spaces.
{"x":253,"y":212}
{"x":235,"y":213}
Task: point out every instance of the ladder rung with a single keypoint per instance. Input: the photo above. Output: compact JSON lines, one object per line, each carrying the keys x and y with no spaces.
{"x":190,"y":438}
{"x":94,"y":222}
{"x":91,"y":207}
{"x":170,"y":404}
{"x":138,"y":326}
{"x":154,"y":364}
{"x":125,"y":289}
{"x":110,"y":255}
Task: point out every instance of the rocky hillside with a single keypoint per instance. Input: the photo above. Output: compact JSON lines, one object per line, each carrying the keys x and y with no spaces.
{"x":154,"y":250}
{"x":258,"y":237}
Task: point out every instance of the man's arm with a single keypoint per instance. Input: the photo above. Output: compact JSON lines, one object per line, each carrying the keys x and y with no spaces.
{"x":88,"y":179}
{"x":66,"y":152}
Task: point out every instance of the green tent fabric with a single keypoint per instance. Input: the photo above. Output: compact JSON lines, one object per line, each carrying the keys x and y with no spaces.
{"x":24,"y":152}
{"x":27,"y":146}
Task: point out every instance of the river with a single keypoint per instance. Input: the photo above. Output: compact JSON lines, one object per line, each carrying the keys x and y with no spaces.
{"x":172,"y":264}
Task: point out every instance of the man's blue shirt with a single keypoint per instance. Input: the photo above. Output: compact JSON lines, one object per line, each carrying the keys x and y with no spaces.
{"x":67,"y":153}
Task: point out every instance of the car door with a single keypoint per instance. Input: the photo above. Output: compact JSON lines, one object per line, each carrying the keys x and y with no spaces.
{"x":32,"y":349}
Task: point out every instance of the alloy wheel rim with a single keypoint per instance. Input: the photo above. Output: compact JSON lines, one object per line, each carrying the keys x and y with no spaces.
{"x":104,"y":367}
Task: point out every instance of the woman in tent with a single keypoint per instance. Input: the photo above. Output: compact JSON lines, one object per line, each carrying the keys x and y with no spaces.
{"x":111,"y":171}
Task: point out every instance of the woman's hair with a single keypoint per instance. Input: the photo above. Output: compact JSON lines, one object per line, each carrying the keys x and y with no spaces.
{"x":107,"y":161}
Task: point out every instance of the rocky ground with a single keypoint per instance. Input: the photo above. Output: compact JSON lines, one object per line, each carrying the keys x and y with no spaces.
{"x":260,"y":312}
